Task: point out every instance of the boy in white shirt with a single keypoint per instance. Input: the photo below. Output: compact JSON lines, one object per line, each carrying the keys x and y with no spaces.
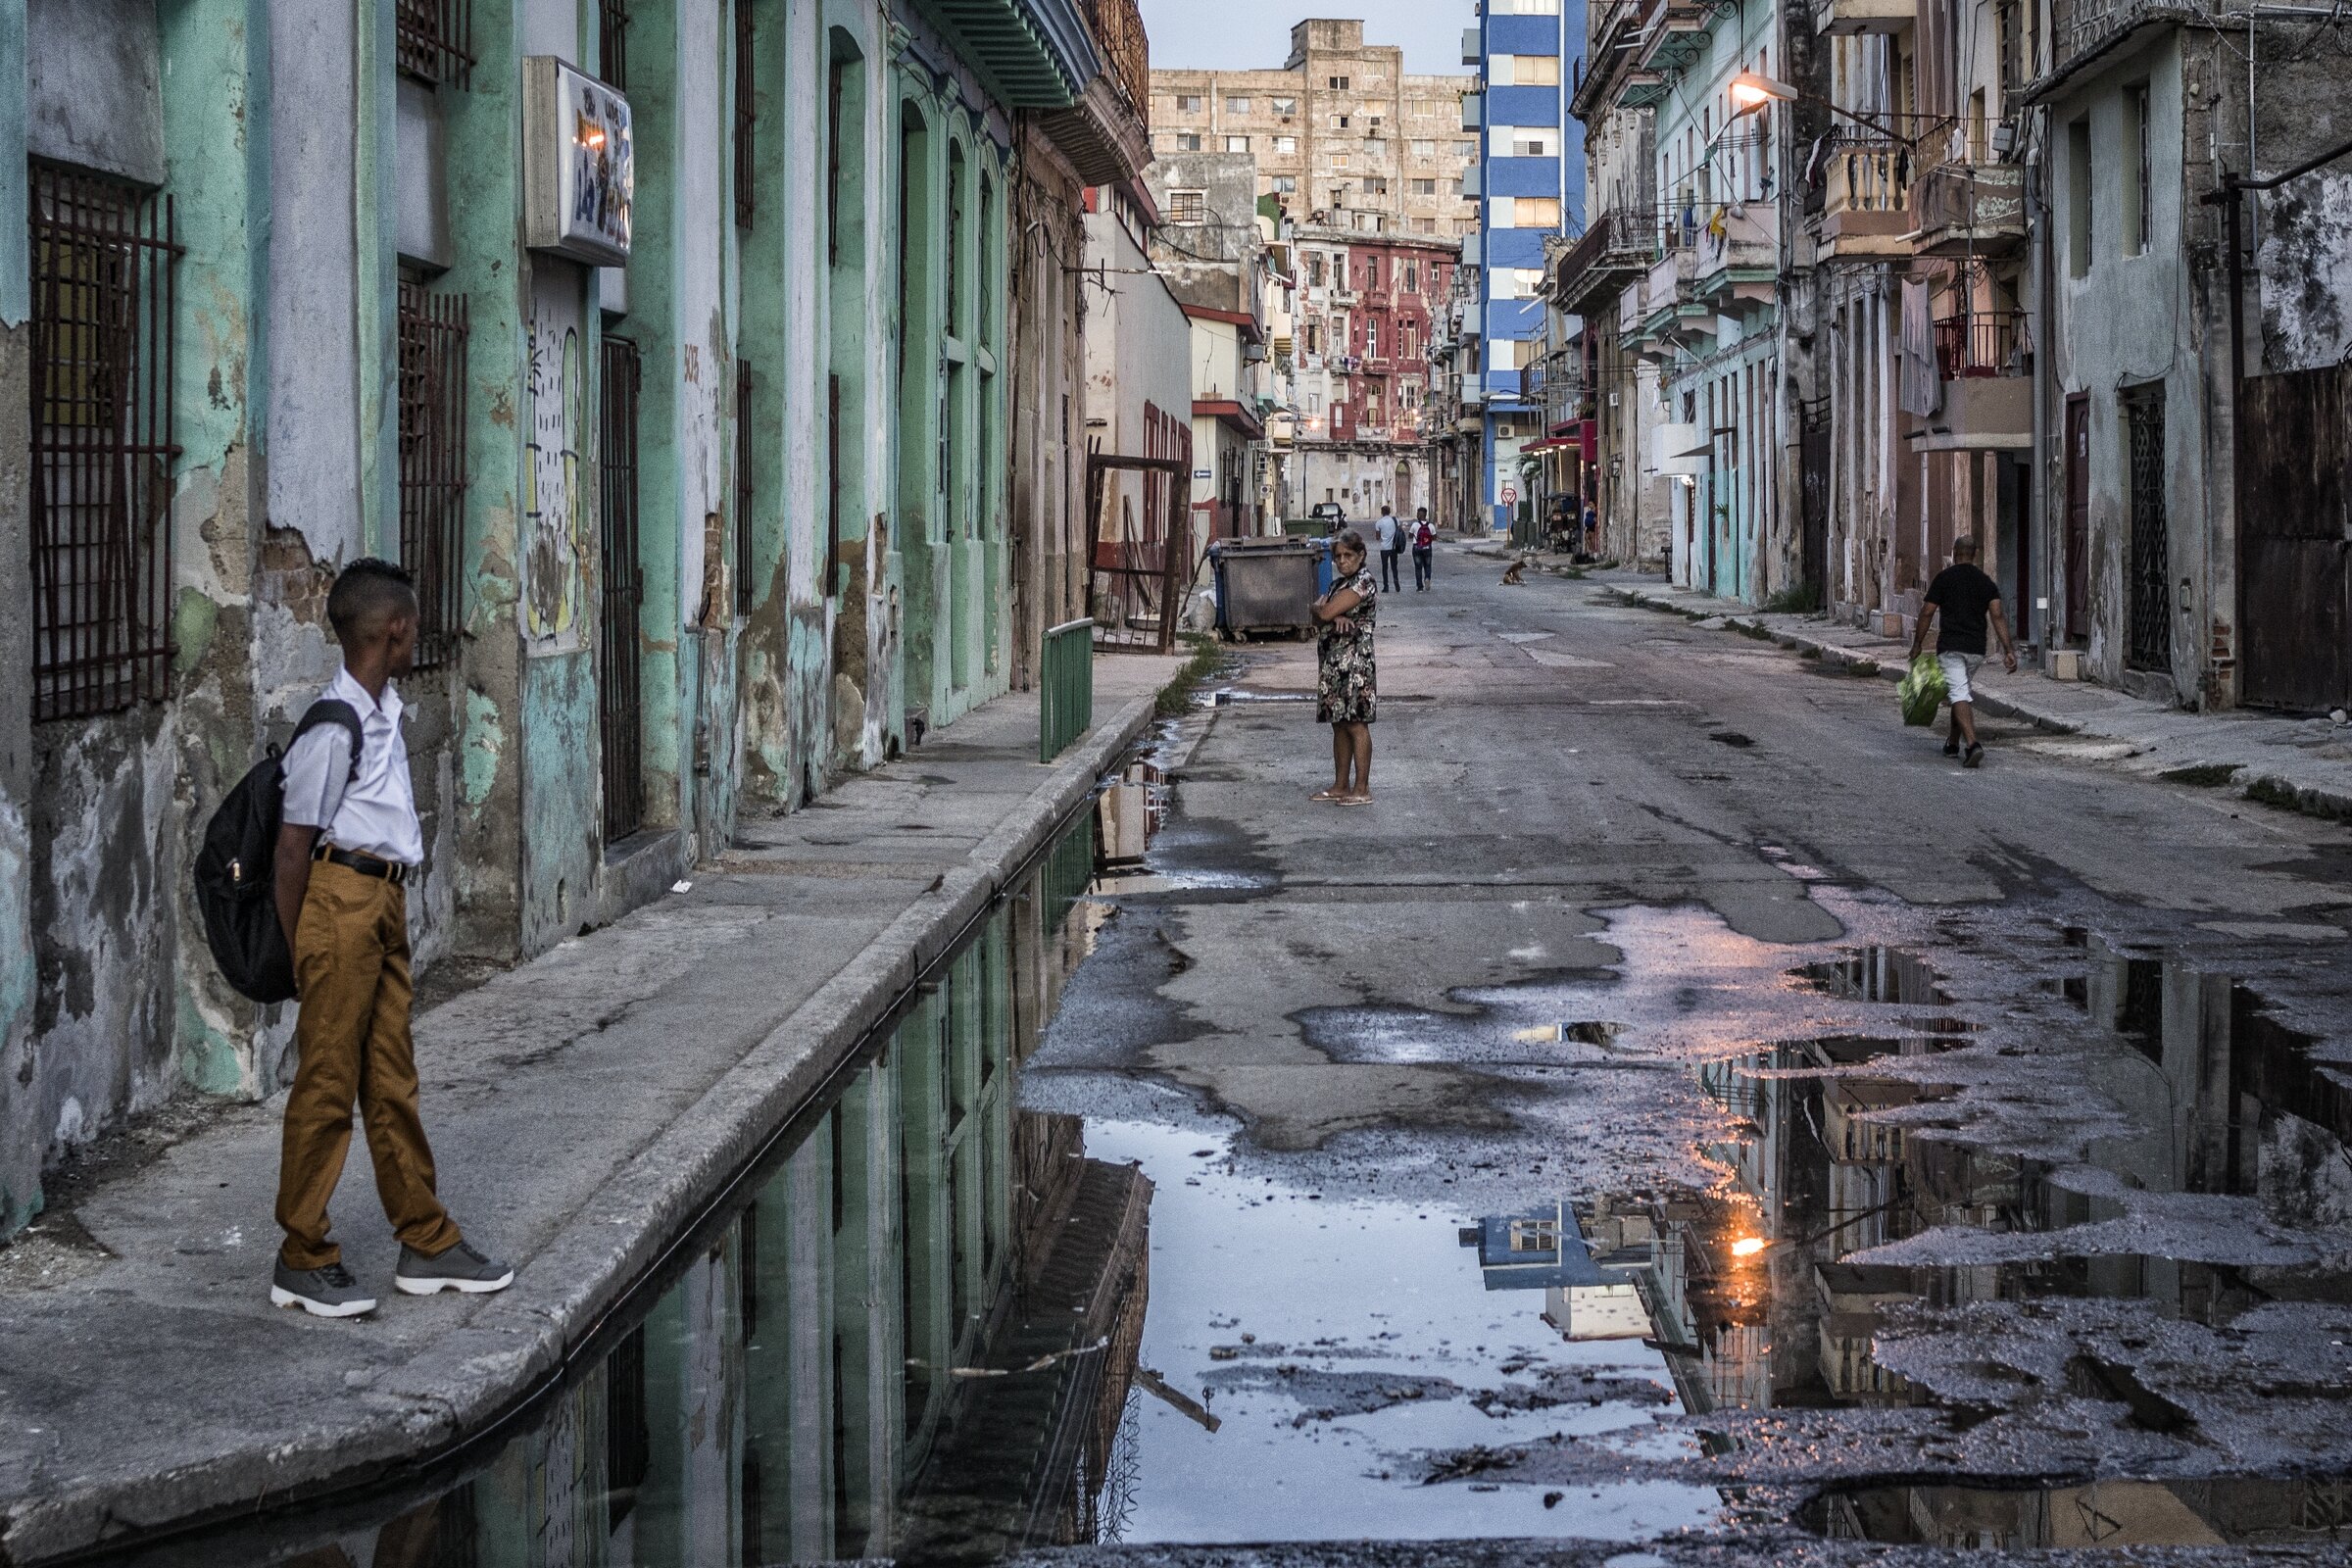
{"x":347,"y":845}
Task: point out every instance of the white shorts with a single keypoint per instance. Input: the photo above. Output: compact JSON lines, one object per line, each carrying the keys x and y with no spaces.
{"x":1957,"y":670}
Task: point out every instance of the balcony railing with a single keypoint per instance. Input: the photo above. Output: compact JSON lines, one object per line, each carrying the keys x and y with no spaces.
{"x":1126,"y":51}
{"x":1981,"y":343}
{"x":1613,"y":250}
{"x":1969,"y":207}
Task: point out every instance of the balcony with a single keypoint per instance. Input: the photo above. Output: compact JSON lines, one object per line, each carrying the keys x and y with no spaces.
{"x":1970,"y":209}
{"x":1607,"y":256}
{"x":1847,"y":18}
{"x":1866,"y":201}
{"x":1982,"y":364}
{"x":1674,"y":36}
{"x":1736,"y":256}
{"x":1981,"y":343}
{"x":1474,"y":182}
{"x":1469,"y":46}
{"x":1474,"y":107}
{"x":2081,"y":29}
{"x":1107,"y":133}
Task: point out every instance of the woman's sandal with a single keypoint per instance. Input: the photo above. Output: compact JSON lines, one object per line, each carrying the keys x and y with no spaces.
{"x":1353,"y":800}
{"x":1328,"y":795}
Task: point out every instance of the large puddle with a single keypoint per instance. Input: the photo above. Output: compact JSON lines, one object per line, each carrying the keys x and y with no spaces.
{"x":939,"y":1326}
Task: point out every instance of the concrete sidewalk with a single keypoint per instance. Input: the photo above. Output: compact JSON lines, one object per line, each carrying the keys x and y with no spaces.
{"x":582,"y":1107}
{"x":2299,"y":764}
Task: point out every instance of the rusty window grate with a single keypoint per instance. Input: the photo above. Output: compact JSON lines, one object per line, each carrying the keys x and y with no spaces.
{"x":2148,"y":632}
{"x":832,"y":485}
{"x":742,"y":487}
{"x":833,"y":193}
{"x":613,"y":42}
{"x":619,"y":676}
{"x":433,"y":39}
{"x":432,"y":462}
{"x":744,"y":203}
{"x":102,"y":452}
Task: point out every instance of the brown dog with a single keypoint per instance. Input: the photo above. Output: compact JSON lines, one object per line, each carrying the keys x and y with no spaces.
{"x":1513,"y":577}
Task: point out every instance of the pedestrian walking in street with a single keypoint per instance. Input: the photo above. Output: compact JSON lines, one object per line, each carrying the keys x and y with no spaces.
{"x":1425,"y":545}
{"x":1346,"y":696}
{"x":348,"y":843}
{"x":1391,"y":549}
{"x":1964,"y":600}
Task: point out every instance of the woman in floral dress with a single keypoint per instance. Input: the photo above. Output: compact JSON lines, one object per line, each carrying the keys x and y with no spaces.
{"x":1347,"y":696}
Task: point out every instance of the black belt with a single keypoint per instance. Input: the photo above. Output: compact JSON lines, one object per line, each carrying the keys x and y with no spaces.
{"x":391,"y":871}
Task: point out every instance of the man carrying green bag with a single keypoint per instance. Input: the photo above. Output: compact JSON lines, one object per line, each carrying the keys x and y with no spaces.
{"x":1968,"y":602}
{"x":1921,"y":690}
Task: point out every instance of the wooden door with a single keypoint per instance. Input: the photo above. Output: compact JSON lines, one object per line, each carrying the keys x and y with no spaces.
{"x":2294,"y":534}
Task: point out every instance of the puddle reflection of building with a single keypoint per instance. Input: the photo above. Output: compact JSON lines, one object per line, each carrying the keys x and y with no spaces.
{"x":1834,"y":1158}
{"x":2104,"y":1513}
{"x":1588,"y":1292}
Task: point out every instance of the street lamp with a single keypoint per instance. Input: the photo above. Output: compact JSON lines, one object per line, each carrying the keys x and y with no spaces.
{"x":1752,"y":90}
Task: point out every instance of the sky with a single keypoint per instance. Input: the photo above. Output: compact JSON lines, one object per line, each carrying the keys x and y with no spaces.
{"x":1255,"y":35}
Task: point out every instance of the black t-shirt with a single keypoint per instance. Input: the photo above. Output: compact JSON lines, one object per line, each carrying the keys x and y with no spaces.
{"x":1961,"y":594}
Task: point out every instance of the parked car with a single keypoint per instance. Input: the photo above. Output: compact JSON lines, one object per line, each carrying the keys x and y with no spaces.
{"x":1330,"y":514}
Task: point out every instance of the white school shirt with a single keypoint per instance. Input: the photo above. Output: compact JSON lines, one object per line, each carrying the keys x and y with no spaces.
{"x":375,"y":812}
{"x":1388,"y":532}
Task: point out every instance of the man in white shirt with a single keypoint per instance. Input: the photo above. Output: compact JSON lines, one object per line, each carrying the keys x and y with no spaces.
{"x":348,"y":843}
{"x":1392,"y":547}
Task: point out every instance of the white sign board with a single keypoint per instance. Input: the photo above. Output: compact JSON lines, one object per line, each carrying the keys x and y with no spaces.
{"x":579,"y":163}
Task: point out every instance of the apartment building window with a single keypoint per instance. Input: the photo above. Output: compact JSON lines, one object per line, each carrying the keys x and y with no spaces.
{"x":1371,"y":272}
{"x":1524,"y":71}
{"x":613,"y":42}
{"x":1188,"y":141}
{"x":1372,"y":329}
{"x":1535,"y":144}
{"x":1420,"y":106}
{"x":1339,"y":160}
{"x":1376,"y":185}
{"x":1286,"y":106}
{"x":1523,"y":8}
{"x":1525,"y":212}
{"x":1187,"y":103}
{"x":1421,"y":148}
{"x":1285,"y":184}
{"x":1314,"y":339}
{"x":1465,"y":149}
{"x":1368,"y":222}
{"x":1339,"y":122}
{"x":1235,"y":105}
{"x":2136,"y":191}
{"x":1338,"y":84}
{"x":2078,"y":197}
{"x":1425,"y":187}
{"x":433,"y":39}
{"x":1314,"y":272}
{"x":1465,"y":225}
{"x":1286,"y":144}
{"x":1237,"y":144}
{"x":1374,"y":147}
{"x":1412,"y":278}
{"x":432,"y":335}
{"x":103,"y":256}
{"x":1187,"y":206}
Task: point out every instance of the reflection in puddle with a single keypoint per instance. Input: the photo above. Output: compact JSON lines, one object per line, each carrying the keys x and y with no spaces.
{"x":2099,"y":1514}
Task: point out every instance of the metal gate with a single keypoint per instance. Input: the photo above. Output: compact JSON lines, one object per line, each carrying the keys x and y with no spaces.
{"x":2148,"y":629}
{"x":2076,"y":562}
{"x":2294,"y":533}
{"x":1136,"y":586}
{"x":1813,"y":483}
{"x":620,"y":707}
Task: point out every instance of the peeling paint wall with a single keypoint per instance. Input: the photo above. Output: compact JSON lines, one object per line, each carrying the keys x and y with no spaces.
{"x":2305,"y":262}
{"x":22,"y":1137}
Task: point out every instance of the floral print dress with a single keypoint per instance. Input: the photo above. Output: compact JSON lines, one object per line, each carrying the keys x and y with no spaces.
{"x":1345,"y":692}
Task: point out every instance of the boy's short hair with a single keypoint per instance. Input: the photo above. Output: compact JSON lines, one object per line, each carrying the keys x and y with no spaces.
{"x":1964,"y":547}
{"x":367,"y":594}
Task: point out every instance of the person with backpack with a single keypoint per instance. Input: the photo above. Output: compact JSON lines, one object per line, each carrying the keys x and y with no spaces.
{"x":1392,"y":547}
{"x":1425,"y":544}
{"x":348,"y":841}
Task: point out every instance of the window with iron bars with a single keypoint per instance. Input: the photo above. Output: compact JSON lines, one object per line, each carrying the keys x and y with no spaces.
{"x":619,"y":672}
{"x":744,"y":203}
{"x":613,"y":42}
{"x":432,"y":462}
{"x":103,"y":254}
{"x":742,"y":487}
{"x":433,"y":39}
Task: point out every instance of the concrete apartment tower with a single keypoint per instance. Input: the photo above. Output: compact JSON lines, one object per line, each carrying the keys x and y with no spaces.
{"x":1531,"y":176}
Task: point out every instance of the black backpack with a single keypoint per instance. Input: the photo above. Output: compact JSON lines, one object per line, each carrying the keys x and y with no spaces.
{"x":236,"y":880}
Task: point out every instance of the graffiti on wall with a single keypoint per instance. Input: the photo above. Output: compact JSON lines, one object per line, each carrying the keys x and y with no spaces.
{"x":555,"y":510}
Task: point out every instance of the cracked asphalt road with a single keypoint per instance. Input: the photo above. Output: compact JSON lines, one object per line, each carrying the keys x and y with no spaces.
{"x":2014,"y":1083}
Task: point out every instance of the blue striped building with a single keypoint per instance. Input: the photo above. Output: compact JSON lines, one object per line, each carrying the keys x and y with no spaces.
{"x":1530,"y":182}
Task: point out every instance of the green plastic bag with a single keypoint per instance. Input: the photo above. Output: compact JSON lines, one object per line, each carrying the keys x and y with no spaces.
{"x":1921,"y":690}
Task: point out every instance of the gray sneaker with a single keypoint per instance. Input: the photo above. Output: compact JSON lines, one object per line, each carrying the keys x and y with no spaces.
{"x":328,"y":1291}
{"x":461,"y":1268}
